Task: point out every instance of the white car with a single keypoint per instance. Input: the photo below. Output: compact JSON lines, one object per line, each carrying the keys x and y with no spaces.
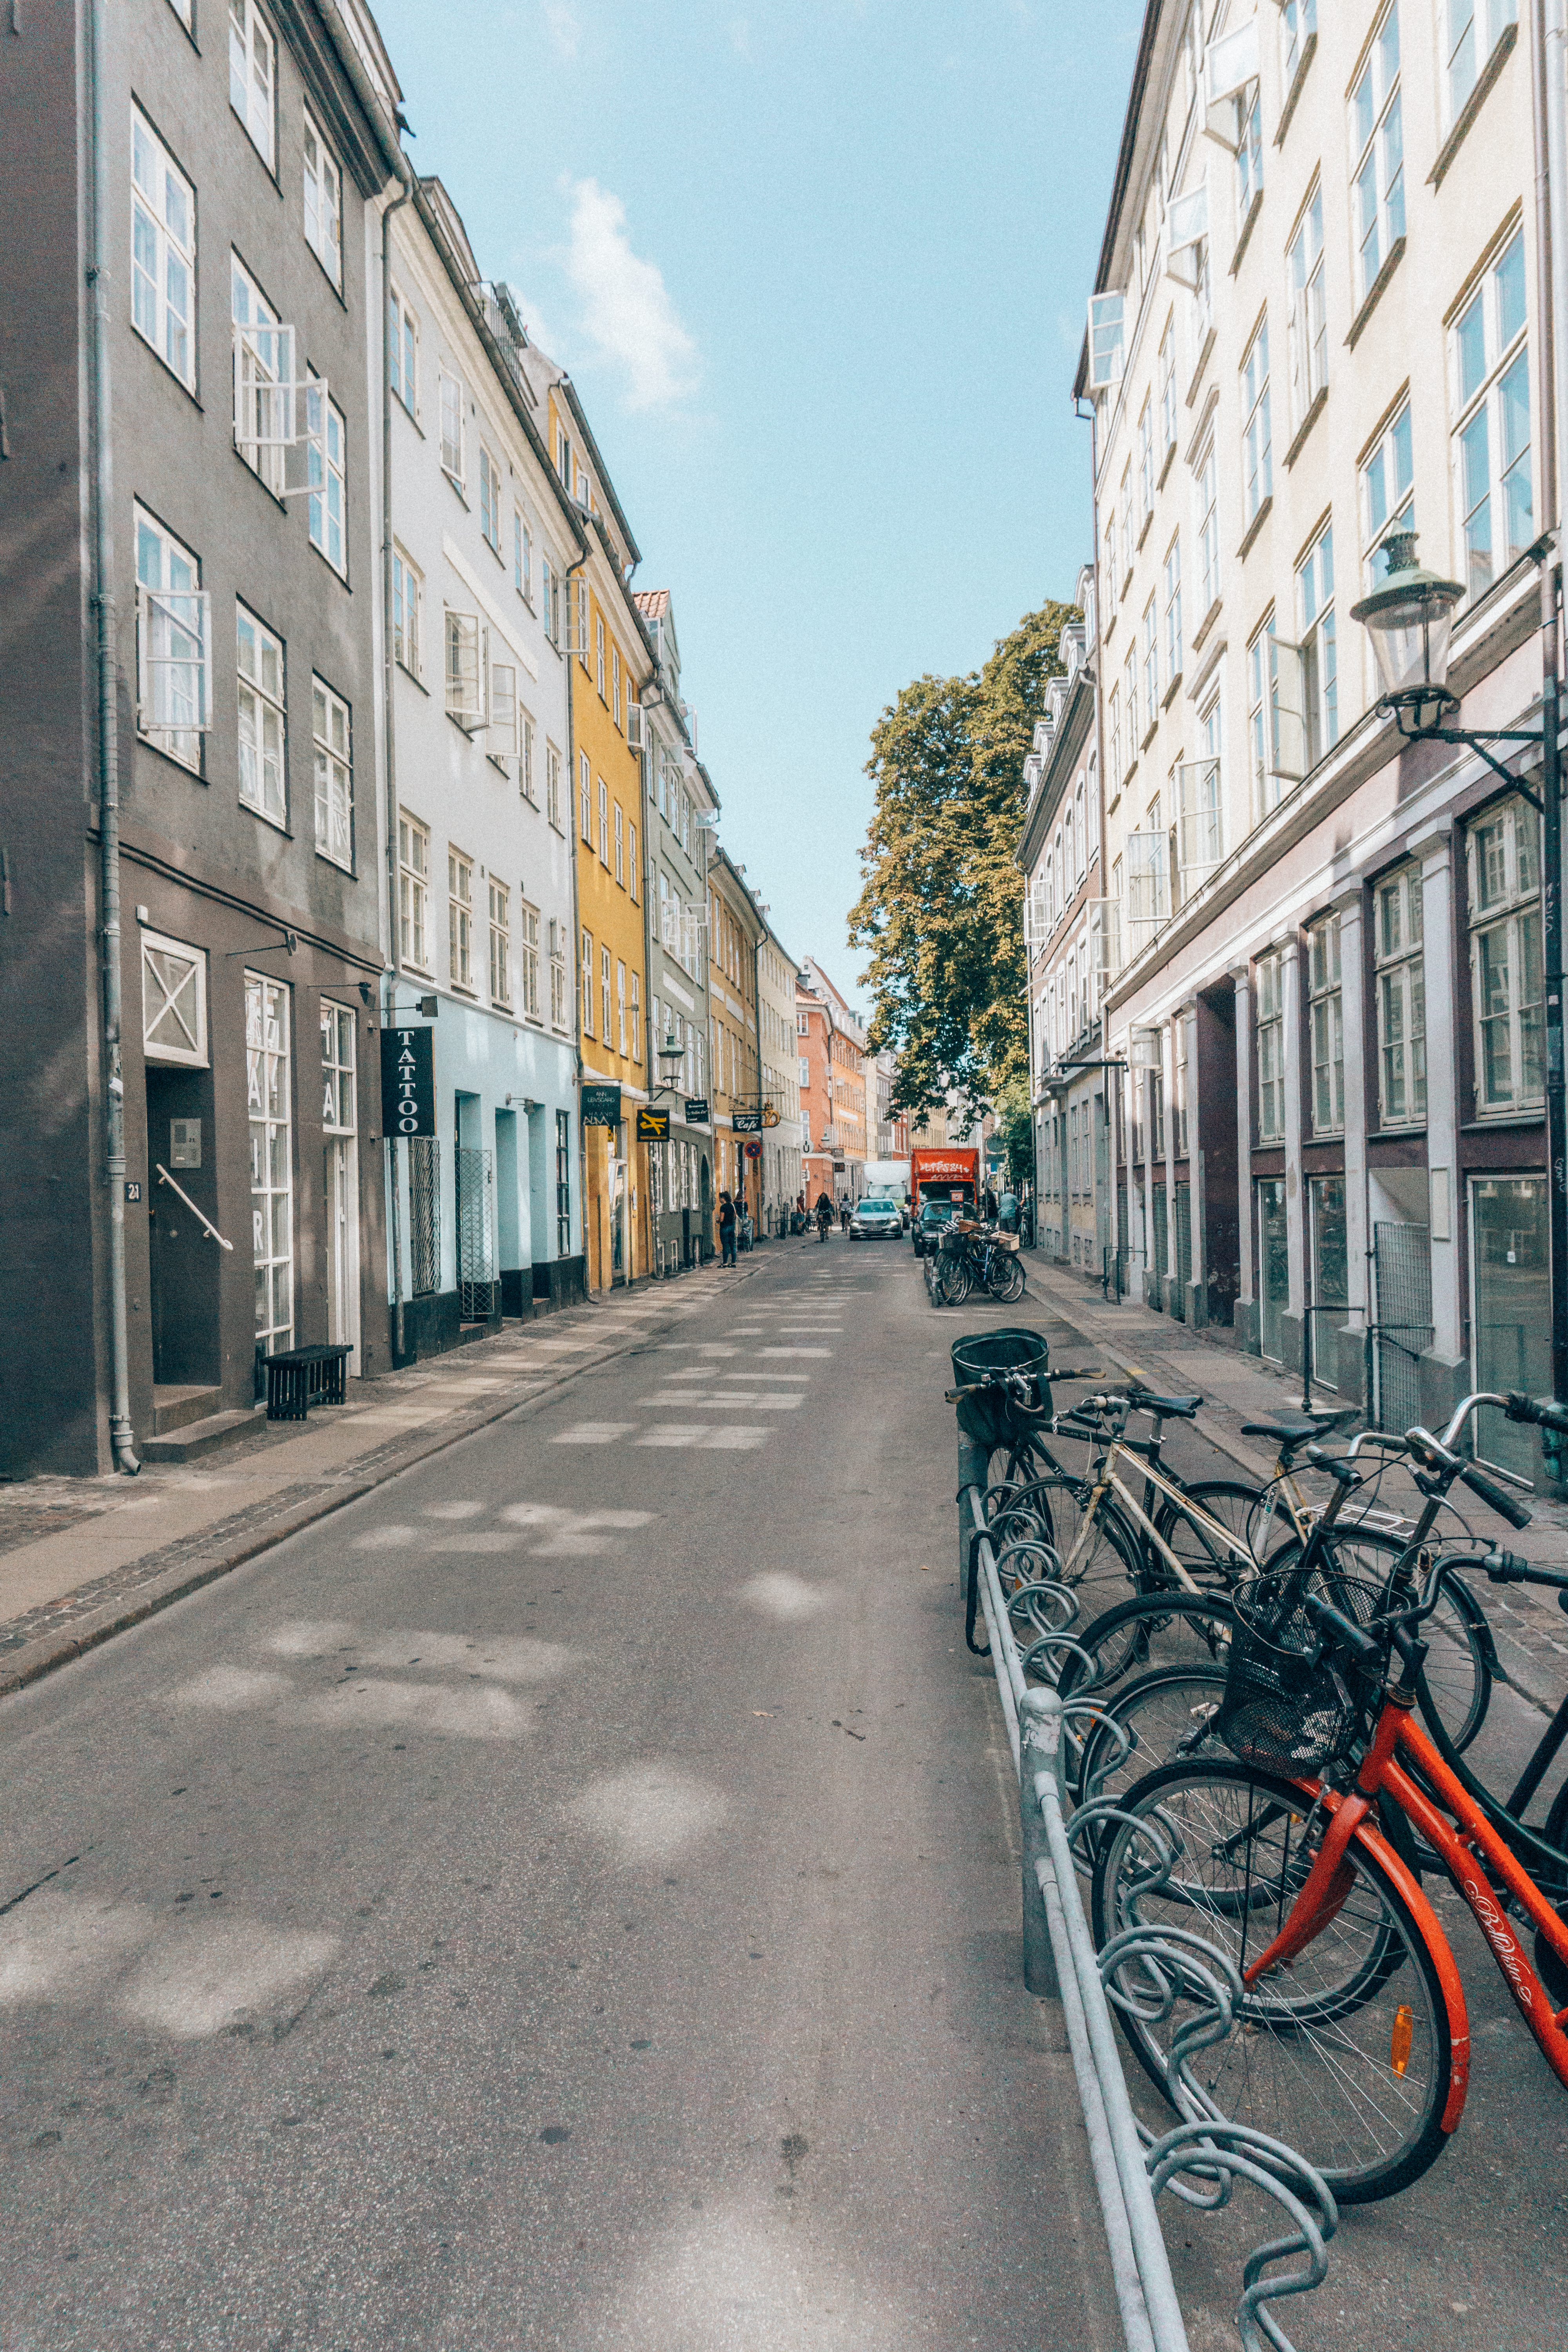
{"x":874,"y":1217}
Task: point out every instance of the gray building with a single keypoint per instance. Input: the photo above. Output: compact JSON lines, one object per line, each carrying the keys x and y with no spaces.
{"x":195,"y":469}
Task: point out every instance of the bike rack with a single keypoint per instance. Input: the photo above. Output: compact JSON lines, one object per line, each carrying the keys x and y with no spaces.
{"x":1205,"y":2155}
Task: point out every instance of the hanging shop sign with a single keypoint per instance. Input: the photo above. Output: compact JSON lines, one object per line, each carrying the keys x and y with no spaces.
{"x":601,"y":1105}
{"x":697,"y":1110}
{"x":407,"y":1082}
{"x":653,"y":1126}
{"x":746,"y":1122}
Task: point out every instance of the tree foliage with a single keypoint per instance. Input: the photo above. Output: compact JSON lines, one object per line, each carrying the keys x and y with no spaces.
{"x":941,"y":908}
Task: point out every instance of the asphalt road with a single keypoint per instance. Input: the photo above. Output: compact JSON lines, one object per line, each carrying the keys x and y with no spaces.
{"x":566,"y":1899}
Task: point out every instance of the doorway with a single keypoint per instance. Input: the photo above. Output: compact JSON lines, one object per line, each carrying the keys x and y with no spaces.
{"x":183,"y":1258}
{"x":340,"y":1177}
{"x":1273,"y":1266}
{"x":1510,"y":1260}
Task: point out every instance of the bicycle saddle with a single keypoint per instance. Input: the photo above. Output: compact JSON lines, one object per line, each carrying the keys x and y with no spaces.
{"x":1182,"y":1407}
{"x":1293,"y":1431}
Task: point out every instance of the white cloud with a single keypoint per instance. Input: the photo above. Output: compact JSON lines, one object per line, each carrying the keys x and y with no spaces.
{"x":561,"y":23}
{"x":627,"y":311}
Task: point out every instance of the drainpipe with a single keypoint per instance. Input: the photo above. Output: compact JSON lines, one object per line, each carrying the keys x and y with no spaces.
{"x":574,"y":834}
{"x":388,"y":680}
{"x":101,"y":429}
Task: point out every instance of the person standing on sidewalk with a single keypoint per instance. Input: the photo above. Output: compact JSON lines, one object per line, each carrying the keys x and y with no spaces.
{"x":726,"y":1229}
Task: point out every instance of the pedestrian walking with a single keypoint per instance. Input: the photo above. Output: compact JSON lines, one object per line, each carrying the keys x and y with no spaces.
{"x":1007,"y":1211}
{"x":989,"y":1205}
{"x":726,"y":1229}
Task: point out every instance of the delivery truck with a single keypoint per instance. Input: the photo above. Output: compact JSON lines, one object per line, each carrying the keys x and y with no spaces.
{"x":943,"y":1180}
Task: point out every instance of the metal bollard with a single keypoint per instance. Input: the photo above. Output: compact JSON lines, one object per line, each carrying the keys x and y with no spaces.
{"x":1039,"y":1732}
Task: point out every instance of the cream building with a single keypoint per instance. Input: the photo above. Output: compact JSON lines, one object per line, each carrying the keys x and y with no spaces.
{"x":1317,"y":315}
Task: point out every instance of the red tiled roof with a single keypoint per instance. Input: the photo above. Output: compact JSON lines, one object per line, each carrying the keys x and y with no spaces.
{"x":653,"y":603}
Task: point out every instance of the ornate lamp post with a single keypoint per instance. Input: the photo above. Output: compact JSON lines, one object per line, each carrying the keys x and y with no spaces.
{"x":1409,"y":621}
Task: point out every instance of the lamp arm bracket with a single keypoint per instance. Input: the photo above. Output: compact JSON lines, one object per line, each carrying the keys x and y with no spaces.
{"x":1477,"y":744}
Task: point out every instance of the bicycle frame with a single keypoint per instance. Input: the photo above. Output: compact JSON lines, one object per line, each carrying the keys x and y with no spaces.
{"x":1106,"y":1481}
{"x":1469,"y":1854}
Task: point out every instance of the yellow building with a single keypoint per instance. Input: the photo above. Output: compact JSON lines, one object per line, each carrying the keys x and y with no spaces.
{"x":612,"y":657}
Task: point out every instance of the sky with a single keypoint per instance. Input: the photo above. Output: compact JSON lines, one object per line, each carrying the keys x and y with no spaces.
{"x":818,"y":272}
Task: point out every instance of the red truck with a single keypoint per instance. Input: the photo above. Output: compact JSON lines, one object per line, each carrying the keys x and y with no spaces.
{"x":942,"y":1178}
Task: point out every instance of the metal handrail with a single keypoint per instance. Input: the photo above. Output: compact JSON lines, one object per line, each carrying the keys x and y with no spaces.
{"x":1205,"y":2155}
{"x":204,"y":1222}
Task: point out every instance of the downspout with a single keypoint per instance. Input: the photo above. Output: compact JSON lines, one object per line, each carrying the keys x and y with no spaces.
{"x":388,"y":682}
{"x":101,"y":428}
{"x":574,"y":834}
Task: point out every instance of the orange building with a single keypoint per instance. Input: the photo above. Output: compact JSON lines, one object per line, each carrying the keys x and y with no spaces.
{"x":833,"y":1088}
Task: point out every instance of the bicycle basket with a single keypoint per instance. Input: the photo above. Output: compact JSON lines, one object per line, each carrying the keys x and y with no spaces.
{"x":996,"y":1416}
{"x":1290,"y":1703}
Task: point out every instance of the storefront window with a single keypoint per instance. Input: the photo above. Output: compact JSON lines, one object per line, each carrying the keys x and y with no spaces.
{"x":1274,"y":1266}
{"x":1508,"y":1258}
{"x":1331,"y":1264}
{"x":271,"y":1160}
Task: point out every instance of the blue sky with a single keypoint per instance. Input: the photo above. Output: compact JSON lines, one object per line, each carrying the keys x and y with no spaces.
{"x":819,"y":274}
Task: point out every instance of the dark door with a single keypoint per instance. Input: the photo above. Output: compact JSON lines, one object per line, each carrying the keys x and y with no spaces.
{"x":183,"y":1258}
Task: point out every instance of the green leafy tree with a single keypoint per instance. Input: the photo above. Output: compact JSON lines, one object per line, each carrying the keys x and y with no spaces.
{"x":940,"y":909}
{"x":1017,"y":1129}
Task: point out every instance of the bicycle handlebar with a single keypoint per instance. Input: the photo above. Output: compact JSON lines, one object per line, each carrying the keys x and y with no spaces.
{"x":1325,"y":1614}
{"x":1492,"y":1495}
{"x":1507,"y":1567}
{"x":1540,"y":1411}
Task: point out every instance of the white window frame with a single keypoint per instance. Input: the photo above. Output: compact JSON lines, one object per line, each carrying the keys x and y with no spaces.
{"x":173,"y":643}
{"x":327,"y":456}
{"x":1387,"y":502}
{"x":178,"y":993}
{"x":413,"y":891}
{"x":466,"y":670}
{"x":1399,"y":963}
{"x":587,"y":981}
{"x":403,"y":350}
{"x":263,"y":719}
{"x":452,"y":415}
{"x":407,"y":598}
{"x":605,"y":965}
{"x":1167,"y":367}
{"x":1503,"y":852}
{"x":1319,"y":647}
{"x":553,"y":785}
{"x":1326,"y":1026}
{"x":559,"y":1001}
{"x":323,"y":201}
{"x":1207,"y":478}
{"x":163,"y":251}
{"x":331,"y":736}
{"x":499,"y":899}
{"x":1258,"y":445}
{"x":1462,"y":65}
{"x":1485,"y":410}
{"x":1377,"y":154}
{"x":528,"y":958}
{"x":1171,"y":584}
{"x":1308,"y":333}
{"x":586,"y":798}
{"x":253,"y":76}
{"x":460,"y":921}
{"x":490,"y":497}
{"x":522,"y":557}
{"x":271,"y":399}
{"x":339,"y":1093}
{"x":1269,"y":1047}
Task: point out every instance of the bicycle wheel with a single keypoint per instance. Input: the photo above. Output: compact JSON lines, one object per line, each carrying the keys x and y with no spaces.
{"x":951,"y":1282}
{"x":1346,"y":2053}
{"x":1004,"y":1277}
{"x":1456,"y":1687}
{"x":1176,"y":1628}
{"x":1205,"y":1556}
{"x":1164,"y":1717}
{"x":1054,"y":1508}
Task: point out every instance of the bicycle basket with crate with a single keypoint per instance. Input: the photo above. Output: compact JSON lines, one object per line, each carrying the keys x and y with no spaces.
{"x":1292,"y":1703}
{"x":992,"y":1412}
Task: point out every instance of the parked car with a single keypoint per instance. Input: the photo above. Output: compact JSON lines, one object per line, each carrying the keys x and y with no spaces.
{"x":899,"y":1201}
{"x":874,"y":1217}
{"x":933,"y":1215}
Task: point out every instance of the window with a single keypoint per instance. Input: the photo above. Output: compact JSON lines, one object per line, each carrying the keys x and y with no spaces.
{"x":1474,"y":28}
{"x":1270,"y":1049}
{"x":269,"y":1095}
{"x":452,"y":429}
{"x":587,"y":983}
{"x":413,"y":891}
{"x":467,"y":671}
{"x":559,"y":1017}
{"x":1114,"y":707}
{"x":327,"y":476}
{"x":522,"y":556}
{"x":338,"y":1106}
{"x":1492,"y":441}
{"x":1257,"y":464}
{"x":1145,"y":464}
{"x":632,"y":861}
{"x":1308,"y":333}
{"x":1504,"y":861}
{"x":1151,"y":660}
{"x":407,"y":592}
{"x":266,"y":421}
{"x":489,"y":498}
{"x":1130,"y":688}
{"x":1319,"y":677}
{"x":1249,"y":154}
{"x":605,"y":995}
{"x":637,"y":1018}
{"x":261,"y":775}
{"x":1125,"y":512}
{"x":1208,"y":532}
{"x":1388,"y":497}
{"x":604,"y":822}
{"x":1401,"y":1001}
{"x":163,"y":251}
{"x":334,"y":775}
{"x":173,"y":644}
{"x":1148,"y":853}
{"x":1273,"y":726}
{"x":1173,"y":611}
{"x":553,"y":785}
{"x":501,"y":943}
{"x":1377,"y":153}
{"x":599,"y":651}
{"x":252,"y":74}
{"x":323,"y":202}
{"x":528,"y":959}
{"x":584,"y":799}
{"x":1327,"y":1020}
{"x":461,"y":919}
{"x":1167,"y":362}
{"x":403,"y":351}
{"x":527,"y":780}
{"x":616,"y":684}
{"x":1299,"y":25}
{"x":620,"y":847}
{"x":174,"y":1001}
{"x":620,"y":1006}
{"x":581,"y":647}
{"x":562,"y":1183}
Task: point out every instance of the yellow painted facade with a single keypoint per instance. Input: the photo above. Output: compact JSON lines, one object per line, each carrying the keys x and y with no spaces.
{"x":609,"y":662}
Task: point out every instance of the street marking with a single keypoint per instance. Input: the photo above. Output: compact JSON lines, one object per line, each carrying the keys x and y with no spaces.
{"x":728,"y":1404}
{"x":231,"y":1689}
{"x":592,"y":1433}
{"x":794,"y":1352}
{"x":485,"y":1713}
{"x":386,"y":1538}
{"x":697,"y":1434}
{"x":780,"y":1594}
{"x":649,"y":1812}
{"x":515,"y":1658}
{"x":478,"y":1539}
{"x":533,"y":1515}
{"x":451,"y":1510}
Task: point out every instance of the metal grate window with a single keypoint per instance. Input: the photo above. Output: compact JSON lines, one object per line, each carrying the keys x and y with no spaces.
{"x":425,"y":1214}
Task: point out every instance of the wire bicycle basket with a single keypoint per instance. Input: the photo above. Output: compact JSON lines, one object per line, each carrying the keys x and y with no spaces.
{"x":984,"y":1362}
{"x":1292,"y":1704}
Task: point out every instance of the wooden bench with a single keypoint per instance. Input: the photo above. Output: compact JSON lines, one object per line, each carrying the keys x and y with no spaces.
{"x":301,"y":1376}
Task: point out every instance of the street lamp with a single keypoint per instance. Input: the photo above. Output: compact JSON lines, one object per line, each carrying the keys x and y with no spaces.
{"x":671,"y":1055}
{"x":1410,"y":621}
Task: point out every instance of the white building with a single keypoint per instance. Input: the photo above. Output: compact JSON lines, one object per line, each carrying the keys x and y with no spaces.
{"x":482,"y":536}
{"x":1319,"y":314}
{"x":784,"y":1169}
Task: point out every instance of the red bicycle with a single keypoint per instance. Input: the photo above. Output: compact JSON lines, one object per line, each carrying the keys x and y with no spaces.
{"x":1348,"y":2032}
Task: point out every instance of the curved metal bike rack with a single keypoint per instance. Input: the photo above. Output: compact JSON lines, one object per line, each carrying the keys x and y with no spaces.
{"x":1145,"y":1970}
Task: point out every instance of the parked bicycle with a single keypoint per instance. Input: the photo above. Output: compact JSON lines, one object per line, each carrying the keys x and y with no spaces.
{"x":1296,"y":1854}
{"x":974,"y":1258}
